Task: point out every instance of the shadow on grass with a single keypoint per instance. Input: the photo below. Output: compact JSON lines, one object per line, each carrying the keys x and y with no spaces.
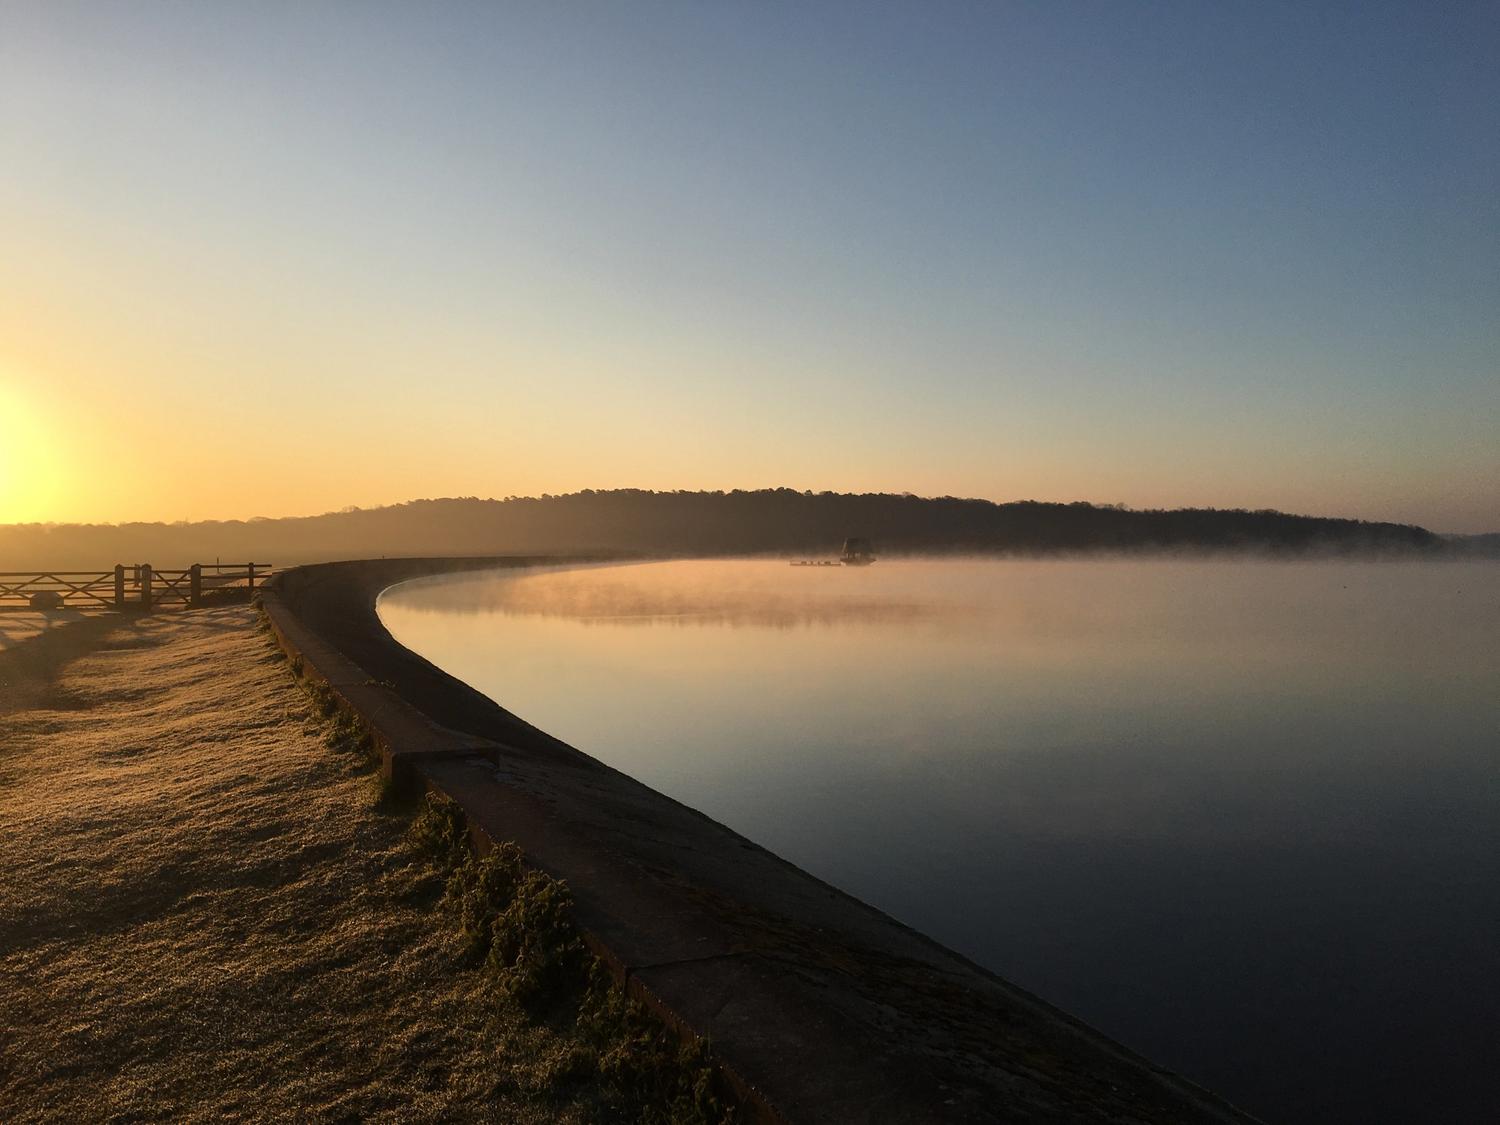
{"x":29,"y":669}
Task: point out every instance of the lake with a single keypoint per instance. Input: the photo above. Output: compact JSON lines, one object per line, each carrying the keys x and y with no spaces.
{"x":1242,"y":816}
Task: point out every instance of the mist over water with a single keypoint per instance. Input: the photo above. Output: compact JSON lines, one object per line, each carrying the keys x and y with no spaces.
{"x":1243,"y":816}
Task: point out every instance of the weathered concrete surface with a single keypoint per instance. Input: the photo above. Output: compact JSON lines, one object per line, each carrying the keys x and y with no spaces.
{"x":822,"y":1008}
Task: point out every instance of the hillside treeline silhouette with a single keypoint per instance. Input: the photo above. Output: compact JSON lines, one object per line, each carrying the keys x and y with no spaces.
{"x":702,"y":523}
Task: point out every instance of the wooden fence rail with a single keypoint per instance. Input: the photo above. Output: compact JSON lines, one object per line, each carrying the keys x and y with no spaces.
{"x":138,"y":585}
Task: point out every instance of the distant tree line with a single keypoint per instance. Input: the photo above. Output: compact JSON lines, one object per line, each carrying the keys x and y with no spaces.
{"x":766,"y":521}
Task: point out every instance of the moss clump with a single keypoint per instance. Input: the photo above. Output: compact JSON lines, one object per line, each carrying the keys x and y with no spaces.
{"x":518,"y":923}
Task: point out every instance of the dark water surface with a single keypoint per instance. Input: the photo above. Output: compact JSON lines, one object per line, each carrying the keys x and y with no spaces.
{"x":1244,"y":817}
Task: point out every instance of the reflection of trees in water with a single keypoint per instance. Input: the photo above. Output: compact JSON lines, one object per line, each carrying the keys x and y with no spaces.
{"x":595,"y":600}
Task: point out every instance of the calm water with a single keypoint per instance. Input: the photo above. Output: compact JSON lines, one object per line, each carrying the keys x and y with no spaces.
{"x":1244,"y":817}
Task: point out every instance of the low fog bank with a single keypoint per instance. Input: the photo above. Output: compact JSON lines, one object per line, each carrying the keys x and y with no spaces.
{"x":767,"y":521}
{"x":1474,"y":546}
{"x":1242,"y":603}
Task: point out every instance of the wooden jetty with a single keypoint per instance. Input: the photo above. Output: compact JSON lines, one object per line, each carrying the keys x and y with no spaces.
{"x":856,"y":552}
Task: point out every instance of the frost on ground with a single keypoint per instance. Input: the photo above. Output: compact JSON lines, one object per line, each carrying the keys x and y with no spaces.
{"x":18,"y":627}
{"x":205,"y":910}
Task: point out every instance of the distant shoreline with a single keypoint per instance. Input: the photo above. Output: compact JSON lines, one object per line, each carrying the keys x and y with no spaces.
{"x":780,"y":521}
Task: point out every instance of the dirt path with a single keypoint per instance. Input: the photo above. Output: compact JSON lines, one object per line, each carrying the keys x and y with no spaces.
{"x":204,"y":910}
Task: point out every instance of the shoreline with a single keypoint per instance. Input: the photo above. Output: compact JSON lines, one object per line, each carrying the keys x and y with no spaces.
{"x":819,"y":1006}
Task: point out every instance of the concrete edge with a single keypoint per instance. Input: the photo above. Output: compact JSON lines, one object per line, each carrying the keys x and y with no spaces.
{"x":404,"y":738}
{"x":417,"y":753}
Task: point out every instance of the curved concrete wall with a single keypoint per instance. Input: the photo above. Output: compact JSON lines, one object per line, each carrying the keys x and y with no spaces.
{"x":821,"y":1008}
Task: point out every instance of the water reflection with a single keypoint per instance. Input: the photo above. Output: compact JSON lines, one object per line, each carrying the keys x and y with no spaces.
{"x":681,"y":594}
{"x":1245,"y":817}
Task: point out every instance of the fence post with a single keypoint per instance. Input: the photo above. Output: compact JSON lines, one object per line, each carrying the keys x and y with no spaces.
{"x":145,"y":585}
{"x":119,"y":585}
{"x":195,"y":585}
{"x":251,"y":575}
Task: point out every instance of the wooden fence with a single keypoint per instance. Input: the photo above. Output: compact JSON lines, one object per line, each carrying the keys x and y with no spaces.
{"x":139,"y":585}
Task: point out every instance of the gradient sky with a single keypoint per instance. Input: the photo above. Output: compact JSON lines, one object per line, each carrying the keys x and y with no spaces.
{"x":277,"y":258}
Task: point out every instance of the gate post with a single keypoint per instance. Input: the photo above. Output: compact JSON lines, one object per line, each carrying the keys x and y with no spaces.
{"x":145,"y":585}
{"x":195,"y":585}
{"x":251,"y":575}
{"x":119,"y":585}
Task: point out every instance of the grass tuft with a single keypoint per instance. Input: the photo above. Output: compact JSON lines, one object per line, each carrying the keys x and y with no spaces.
{"x":518,"y":922}
{"x":438,"y":833}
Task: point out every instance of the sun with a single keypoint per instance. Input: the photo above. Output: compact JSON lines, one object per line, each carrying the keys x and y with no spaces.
{"x":30,"y":483}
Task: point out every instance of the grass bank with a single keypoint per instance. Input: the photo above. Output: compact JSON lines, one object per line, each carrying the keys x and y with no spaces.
{"x":209,"y":907}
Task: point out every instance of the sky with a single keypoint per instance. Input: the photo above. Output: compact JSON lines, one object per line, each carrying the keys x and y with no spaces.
{"x":281,"y":258}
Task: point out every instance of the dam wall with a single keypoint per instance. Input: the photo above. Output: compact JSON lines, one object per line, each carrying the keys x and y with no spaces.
{"x":819,"y":1007}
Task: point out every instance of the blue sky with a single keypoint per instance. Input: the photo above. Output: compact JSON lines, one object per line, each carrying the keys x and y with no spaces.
{"x":1236,"y":255}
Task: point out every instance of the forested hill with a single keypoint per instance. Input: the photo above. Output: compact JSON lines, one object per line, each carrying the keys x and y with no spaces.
{"x":765,"y":521}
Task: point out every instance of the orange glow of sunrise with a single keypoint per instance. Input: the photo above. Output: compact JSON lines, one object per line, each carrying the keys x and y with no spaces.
{"x":30,"y":471}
